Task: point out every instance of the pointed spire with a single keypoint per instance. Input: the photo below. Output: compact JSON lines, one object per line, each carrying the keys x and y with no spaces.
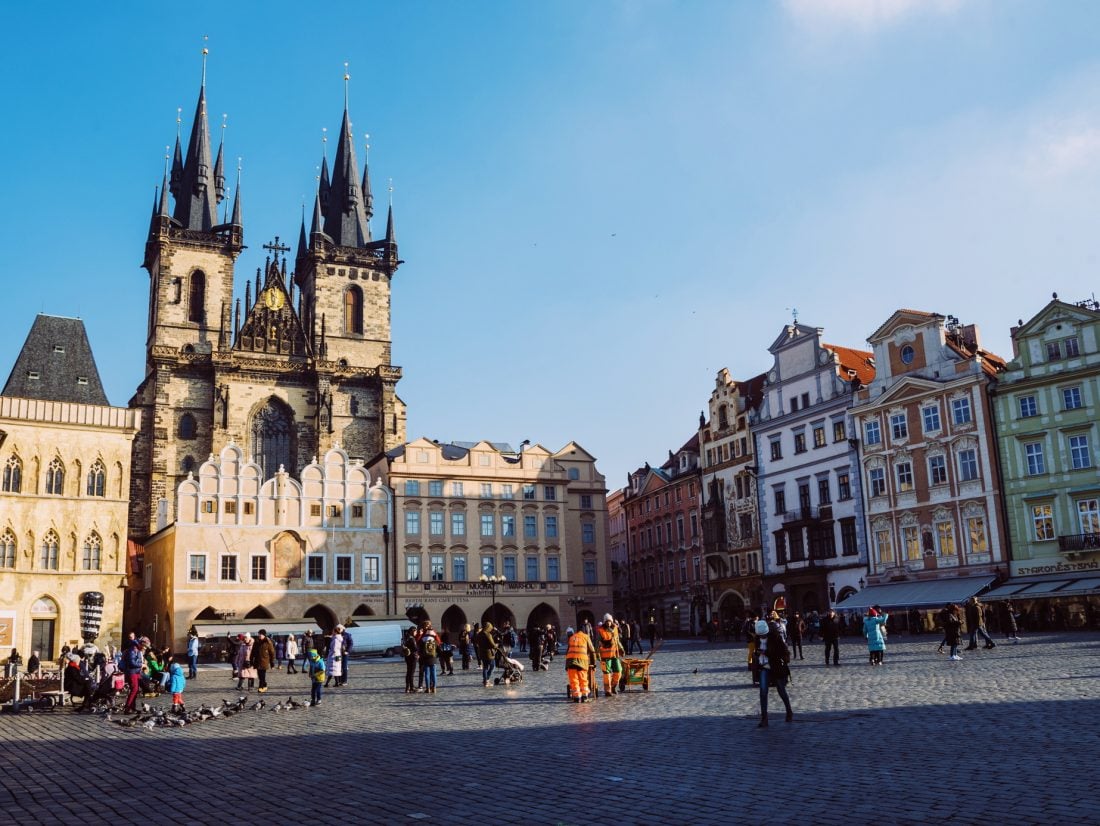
{"x":248,"y":296}
{"x":345,"y":212}
{"x":391,"y":237}
{"x":177,"y":159}
{"x":368,"y":197}
{"x":303,"y":243}
{"x":196,"y":203}
{"x":236,"y":221}
{"x":323,"y":185}
{"x":318,"y":219}
{"x":219,"y":167}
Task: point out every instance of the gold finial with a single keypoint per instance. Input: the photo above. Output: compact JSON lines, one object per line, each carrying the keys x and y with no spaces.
{"x":205,"y":52}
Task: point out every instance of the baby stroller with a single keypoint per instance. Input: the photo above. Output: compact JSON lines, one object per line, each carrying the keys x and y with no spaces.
{"x":511,"y":670}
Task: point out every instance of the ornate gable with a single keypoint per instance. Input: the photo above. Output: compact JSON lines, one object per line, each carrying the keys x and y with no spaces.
{"x":271,"y":325}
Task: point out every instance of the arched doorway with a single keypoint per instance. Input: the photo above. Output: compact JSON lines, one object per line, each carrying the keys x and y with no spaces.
{"x":273,"y":443}
{"x":362,"y":610}
{"x":417,"y":615}
{"x":207,"y":613}
{"x":731,"y":607}
{"x":44,"y":616}
{"x":498,"y":614}
{"x":453,"y":620}
{"x":259,"y":612}
{"x":541,"y":616}
{"x":323,"y":616}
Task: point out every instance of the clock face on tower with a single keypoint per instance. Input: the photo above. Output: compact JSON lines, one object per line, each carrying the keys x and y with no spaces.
{"x":273,"y":298}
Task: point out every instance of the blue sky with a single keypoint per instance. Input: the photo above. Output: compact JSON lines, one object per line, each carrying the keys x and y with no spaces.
{"x":600,"y":204}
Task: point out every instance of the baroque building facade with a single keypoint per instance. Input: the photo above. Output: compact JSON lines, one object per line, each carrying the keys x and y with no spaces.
{"x":303,"y":365}
{"x":809,"y":479}
{"x":64,"y":490}
{"x":668,"y":581}
{"x":1048,"y":409}
{"x":931,"y":484}
{"x":484,"y":532}
{"x":731,"y":522}
{"x":249,"y":551}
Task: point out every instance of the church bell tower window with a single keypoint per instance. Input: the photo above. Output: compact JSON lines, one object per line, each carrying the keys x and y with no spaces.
{"x":196,"y":305}
{"x":353,"y":310}
{"x":272,"y":431}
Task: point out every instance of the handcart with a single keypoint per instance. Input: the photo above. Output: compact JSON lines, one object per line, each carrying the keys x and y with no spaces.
{"x":635,"y":672}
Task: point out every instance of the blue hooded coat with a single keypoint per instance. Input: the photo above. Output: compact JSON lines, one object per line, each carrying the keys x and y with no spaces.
{"x":872,"y":630}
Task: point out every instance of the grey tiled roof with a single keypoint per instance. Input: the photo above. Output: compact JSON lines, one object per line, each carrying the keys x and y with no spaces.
{"x":56,"y":364}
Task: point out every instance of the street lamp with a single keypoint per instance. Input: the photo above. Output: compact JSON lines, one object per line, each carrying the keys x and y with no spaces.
{"x":493,"y":581}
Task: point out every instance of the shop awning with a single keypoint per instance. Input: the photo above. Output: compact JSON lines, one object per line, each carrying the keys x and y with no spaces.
{"x":219,"y":628}
{"x":917,"y":594}
{"x":1040,"y":588}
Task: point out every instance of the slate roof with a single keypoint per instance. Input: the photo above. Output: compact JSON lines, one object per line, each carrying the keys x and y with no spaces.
{"x":56,"y":364}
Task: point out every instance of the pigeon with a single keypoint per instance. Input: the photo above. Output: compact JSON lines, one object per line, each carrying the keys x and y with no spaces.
{"x":277,"y":707}
{"x":149,"y":725}
{"x":293,"y":704}
{"x":145,"y":707}
{"x":256,"y":706}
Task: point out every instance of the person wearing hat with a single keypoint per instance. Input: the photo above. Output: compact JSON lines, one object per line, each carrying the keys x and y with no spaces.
{"x":243,"y":661}
{"x":773,"y":667}
{"x":263,"y":657}
{"x":291,"y":653}
{"x":487,"y":648}
{"x":611,"y":652}
{"x":316,"y":676}
{"x":580,"y":656}
{"x":873,"y":625}
{"x":133,"y":661}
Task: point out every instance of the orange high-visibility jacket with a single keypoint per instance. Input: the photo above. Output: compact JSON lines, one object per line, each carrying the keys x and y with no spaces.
{"x":609,"y":643}
{"x":580,"y":653}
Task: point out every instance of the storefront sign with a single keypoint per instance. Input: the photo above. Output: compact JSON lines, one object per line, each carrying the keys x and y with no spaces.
{"x":1058,"y":568}
{"x":7,"y":631}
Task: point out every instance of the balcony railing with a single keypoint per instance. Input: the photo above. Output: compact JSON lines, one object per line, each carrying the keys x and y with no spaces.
{"x":1079,"y":542}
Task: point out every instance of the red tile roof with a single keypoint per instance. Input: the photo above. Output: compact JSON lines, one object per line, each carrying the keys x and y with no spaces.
{"x":861,"y":362}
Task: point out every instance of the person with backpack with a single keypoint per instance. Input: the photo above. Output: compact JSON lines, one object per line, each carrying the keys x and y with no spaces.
{"x":316,"y":677}
{"x":446,"y":655}
{"x":409,"y":652}
{"x":429,"y":651}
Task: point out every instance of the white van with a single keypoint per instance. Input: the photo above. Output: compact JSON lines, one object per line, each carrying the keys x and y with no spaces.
{"x":377,"y":636}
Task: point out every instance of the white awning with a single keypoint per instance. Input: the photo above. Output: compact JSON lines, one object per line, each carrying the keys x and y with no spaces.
{"x":1039,"y":588}
{"x":219,"y":628}
{"x":916,"y":594}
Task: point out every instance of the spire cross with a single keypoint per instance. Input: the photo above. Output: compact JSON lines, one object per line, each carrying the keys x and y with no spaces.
{"x":276,"y":246}
{"x":794,"y":315}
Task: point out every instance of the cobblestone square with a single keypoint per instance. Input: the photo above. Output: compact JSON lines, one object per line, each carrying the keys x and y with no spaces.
{"x":1006,"y":736}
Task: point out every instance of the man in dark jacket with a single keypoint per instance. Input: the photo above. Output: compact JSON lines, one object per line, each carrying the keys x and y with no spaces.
{"x":487,"y":648}
{"x":975,"y":624}
{"x":263,"y":657}
{"x":830,"y":635}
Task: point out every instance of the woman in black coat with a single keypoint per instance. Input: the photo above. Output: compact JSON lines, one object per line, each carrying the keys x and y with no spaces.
{"x":773,"y":665}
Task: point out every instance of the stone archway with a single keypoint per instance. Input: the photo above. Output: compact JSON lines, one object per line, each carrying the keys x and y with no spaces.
{"x":259,"y":612}
{"x":541,"y":616}
{"x":417,"y":615}
{"x":363,"y":610}
{"x":453,"y":620}
{"x":323,"y":616}
{"x":731,"y":607}
{"x":498,"y":614}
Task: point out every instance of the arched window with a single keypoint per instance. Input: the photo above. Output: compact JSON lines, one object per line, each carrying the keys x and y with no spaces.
{"x":55,"y":478}
{"x":188,"y":464}
{"x":93,"y":547}
{"x":7,"y":549}
{"x":13,"y":475}
{"x":196,"y":299}
{"x":723,"y":420}
{"x":97,"y":479}
{"x":353,"y":310}
{"x":272,"y":438}
{"x":187,"y":426}
{"x":50,"y":547}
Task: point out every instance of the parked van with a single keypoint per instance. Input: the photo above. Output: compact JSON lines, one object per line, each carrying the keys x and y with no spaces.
{"x":381,"y":635}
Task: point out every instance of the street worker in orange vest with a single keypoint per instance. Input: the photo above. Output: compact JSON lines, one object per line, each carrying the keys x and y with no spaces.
{"x":611,"y":652}
{"x":580,"y":656}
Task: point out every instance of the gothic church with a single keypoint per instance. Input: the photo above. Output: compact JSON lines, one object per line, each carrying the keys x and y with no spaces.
{"x":302,"y":366}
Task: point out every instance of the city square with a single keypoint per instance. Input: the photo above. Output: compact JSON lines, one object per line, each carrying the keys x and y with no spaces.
{"x":1005,"y":736}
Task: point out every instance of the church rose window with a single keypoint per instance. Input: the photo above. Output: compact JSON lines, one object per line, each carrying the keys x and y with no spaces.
{"x":272,"y":428}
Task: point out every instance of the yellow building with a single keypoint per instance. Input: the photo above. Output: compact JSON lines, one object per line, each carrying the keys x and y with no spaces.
{"x":464,"y":511}
{"x":247,"y":552}
{"x":64,"y":493}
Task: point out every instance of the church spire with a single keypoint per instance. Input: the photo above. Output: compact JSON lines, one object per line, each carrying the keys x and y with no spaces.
{"x":177,"y":159}
{"x":196,"y":204}
{"x":219,"y":167}
{"x":236,"y":220}
{"x":368,"y":198}
{"x":303,"y":242}
{"x":345,"y":212}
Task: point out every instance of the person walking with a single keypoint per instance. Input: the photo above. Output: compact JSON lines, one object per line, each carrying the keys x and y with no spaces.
{"x":243,"y":662}
{"x":952,"y":628}
{"x":409,"y":652}
{"x":316,"y":677}
{"x":537,"y":638}
{"x":773,"y":664}
{"x":133,"y":661}
{"x":334,"y":660}
{"x":446,"y":655}
{"x":176,"y":685}
{"x":291,"y":653}
{"x":975,"y":624}
{"x":624,"y":636}
{"x":192,"y":654}
{"x":263,"y":658}
{"x":345,"y":655}
{"x":429,"y":652}
{"x":487,"y":648}
{"x":1008,"y":621}
{"x":830,"y":635}
{"x":307,"y":643}
{"x":580,"y":657}
{"x":611,"y":652}
{"x":873,"y":625}
{"x":465,"y":642}
{"x":795,"y":629}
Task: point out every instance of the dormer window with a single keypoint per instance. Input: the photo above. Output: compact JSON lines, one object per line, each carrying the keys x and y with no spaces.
{"x":82,"y":380}
{"x":57,"y":348}
{"x":32,"y":375}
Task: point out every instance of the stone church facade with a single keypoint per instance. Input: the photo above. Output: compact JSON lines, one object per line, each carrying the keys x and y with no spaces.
{"x":301,"y":366}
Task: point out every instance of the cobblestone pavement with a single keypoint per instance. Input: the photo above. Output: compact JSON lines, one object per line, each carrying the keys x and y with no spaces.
{"x":1007,"y":736}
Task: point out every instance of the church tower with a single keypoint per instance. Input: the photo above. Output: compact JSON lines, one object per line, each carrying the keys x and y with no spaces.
{"x":302,"y":366}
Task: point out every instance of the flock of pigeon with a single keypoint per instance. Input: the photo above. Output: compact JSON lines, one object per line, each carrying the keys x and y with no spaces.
{"x":150,"y":717}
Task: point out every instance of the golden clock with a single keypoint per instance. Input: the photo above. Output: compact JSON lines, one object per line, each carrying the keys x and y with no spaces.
{"x":273,"y":299}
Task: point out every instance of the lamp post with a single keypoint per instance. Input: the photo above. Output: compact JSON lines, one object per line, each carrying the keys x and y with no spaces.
{"x":493,"y":581}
